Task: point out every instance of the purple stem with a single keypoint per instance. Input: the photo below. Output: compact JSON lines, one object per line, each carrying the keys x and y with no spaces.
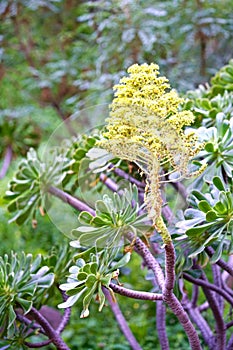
{"x":6,"y":161}
{"x":220,"y":325}
{"x":161,"y":325}
{"x":227,"y":289}
{"x":195,"y":295}
{"x":173,"y":302}
{"x":167,"y":286}
{"x":170,"y":260}
{"x":203,"y":307}
{"x":66,"y":316}
{"x":225,"y":266}
{"x":109,"y":183}
{"x":121,"y":321}
{"x":72,"y":201}
{"x":37,"y":345}
{"x":112,"y":185}
{"x":134,"y":293}
{"x":128,"y":177}
{"x":149,"y":259}
{"x":196,"y":316}
{"x":201,"y":323}
{"x":206,"y":284}
{"x":49,"y":330}
{"x":28,"y":322}
{"x":217,"y":279}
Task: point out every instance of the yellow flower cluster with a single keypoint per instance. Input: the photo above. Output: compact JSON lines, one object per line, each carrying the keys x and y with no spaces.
{"x":147,"y":127}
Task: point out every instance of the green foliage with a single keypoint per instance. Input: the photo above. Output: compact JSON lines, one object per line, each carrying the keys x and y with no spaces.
{"x":208,"y":101}
{"x":20,"y":280}
{"x":16,"y":341}
{"x":209,"y":221}
{"x":207,"y":108}
{"x":115,"y":216}
{"x":78,"y":150}
{"x":87,"y":278}
{"x":218,"y":152}
{"x":28,"y":190}
{"x":223,"y":80}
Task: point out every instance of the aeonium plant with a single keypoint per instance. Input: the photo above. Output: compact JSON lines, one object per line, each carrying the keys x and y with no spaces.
{"x":88,"y":278}
{"x":21,"y":279}
{"x":147,"y":128}
{"x":147,"y":131}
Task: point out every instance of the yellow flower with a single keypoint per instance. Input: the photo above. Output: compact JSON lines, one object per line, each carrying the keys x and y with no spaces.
{"x":146,"y":127}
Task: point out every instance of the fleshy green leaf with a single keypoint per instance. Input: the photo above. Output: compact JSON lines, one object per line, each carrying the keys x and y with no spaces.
{"x":218,"y":183}
{"x":204,"y":206}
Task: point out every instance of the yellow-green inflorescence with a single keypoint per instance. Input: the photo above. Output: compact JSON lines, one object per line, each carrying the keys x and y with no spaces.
{"x":147,"y":127}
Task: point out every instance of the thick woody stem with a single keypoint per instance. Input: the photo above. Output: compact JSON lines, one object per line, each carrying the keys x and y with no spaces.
{"x":206,"y":284}
{"x":201,"y":323}
{"x":37,"y":345}
{"x":225,"y":266}
{"x":128,"y":177}
{"x":195,"y":315}
{"x":167,"y":286}
{"x":195,"y":295}
{"x":218,"y":282}
{"x":173,"y":302}
{"x":149,"y":260}
{"x":49,"y":330}
{"x":65,"y":317}
{"x":135,"y":294}
{"x":161,"y":325}
{"x":121,"y":321}
{"x":183,"y":318}
{"x":72,"y":201}
{"x":220,"y":325}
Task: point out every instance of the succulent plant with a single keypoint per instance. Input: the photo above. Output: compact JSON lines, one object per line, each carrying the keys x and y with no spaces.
{"x":206,"y":108}
{"x":21,"y":281}
{"x":223,"y":80}
{"x":28,"y":190}
{"x":209,"y":221}
{"x":116,"y":215}
{"x":218,"y":151}
{"x":87,"y":278}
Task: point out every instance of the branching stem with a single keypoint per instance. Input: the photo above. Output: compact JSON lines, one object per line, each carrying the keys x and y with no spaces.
{"x":135,"y":294}
{"x":208,"y":285}
{"x":121,"y":321}
{"x":72,"y":201}
{"x":50,"y":332}
{"x":161,"y":325}
{"x":172,"y":301}
{"x":225,"y":266}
